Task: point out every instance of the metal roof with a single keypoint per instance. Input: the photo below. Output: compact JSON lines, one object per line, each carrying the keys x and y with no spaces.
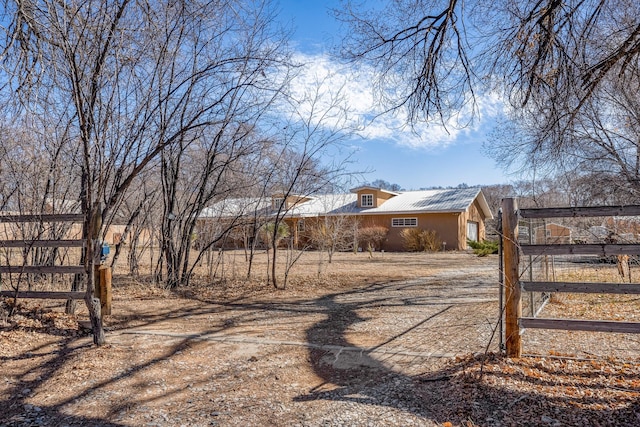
{"x":237,"y":207}
{"x":450,"y":200}
{"x":327,"y":204}
{"x":423,"y":201}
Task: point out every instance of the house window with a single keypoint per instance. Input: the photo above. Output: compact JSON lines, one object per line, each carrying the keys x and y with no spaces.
{"x":301,"y":226}
{"x":366,"y":200}
{"x":277,"y":202}
{"x":404,"y":222}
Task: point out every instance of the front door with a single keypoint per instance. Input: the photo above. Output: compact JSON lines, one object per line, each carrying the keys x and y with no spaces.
{"x":472,"y":231}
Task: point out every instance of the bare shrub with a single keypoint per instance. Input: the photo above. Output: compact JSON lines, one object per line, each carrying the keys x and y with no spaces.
{"x":558,"y":298}
{"x":417,"y":240}
{"x":372,"y":237}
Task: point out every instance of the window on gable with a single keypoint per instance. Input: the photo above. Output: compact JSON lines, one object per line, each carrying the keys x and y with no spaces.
{"x":277,"y":202}
{"x":404,"y":222}
{"x":366,"y":200}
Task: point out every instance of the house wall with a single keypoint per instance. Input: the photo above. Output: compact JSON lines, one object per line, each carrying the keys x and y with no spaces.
{"x":450,"y":227}
{"x":557,"y":234}
{"x":444,"y":224}
{"x":473,"y":214}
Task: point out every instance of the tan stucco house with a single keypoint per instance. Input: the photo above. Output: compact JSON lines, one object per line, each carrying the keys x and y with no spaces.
{"x":552,"y":233}
{"x":454,"y":214}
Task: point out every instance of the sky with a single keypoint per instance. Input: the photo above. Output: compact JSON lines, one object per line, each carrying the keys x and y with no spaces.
{"x":430,"y":156}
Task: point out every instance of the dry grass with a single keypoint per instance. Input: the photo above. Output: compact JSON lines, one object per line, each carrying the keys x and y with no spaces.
{"x":229,"y":268}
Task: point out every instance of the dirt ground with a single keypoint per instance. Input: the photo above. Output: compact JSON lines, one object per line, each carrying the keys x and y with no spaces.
{"x":400,"y":339}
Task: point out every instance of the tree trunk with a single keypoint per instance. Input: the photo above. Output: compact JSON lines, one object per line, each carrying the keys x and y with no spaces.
{"x":93,"y":259}
{"x":273,"y":266}
{"x":93,"y":304}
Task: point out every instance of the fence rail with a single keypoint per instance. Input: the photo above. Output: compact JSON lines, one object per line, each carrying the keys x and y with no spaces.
{"x":584,"y":287}
{"x":581,"y":325}
{"x":62,"y":243}
{"x":43,"y":218}
{"x":43,"y":295}
{"x":603,"y":249}
{"x":43,"y":269}
{"x":577,"y":212}
{"x":42,"y":243}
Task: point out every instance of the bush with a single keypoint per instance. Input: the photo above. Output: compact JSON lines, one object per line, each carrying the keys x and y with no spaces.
{"x":484,"y":248}
{"x":417,"y":240}
{"x":267,"y":233}
{"x":372,"y":238}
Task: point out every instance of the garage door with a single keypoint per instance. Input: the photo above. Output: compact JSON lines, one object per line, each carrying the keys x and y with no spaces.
{"x":472,"y":230}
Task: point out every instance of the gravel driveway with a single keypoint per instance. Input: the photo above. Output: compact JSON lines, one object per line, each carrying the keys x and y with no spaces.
{"x":314,"y":358}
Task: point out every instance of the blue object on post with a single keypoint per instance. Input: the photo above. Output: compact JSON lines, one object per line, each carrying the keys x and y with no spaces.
{"x":104,"y":252}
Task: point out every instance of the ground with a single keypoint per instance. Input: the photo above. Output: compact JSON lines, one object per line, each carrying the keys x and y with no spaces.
{"x":397,"y":339}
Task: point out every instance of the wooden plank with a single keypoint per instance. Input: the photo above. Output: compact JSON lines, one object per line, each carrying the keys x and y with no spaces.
{"x":581,"y":325}
{"x":585,"y":287}
{"x":42,"y":243}
{"x":44,"y":295}
{"x":601,"y":249}
{"x":43,"y":218}
{"x":513,"y":302}
{"x":631,"y":210}
{"x":39,"y":269}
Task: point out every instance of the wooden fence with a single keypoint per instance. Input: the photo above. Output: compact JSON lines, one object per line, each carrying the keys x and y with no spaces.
{"x":513,"y":285}
{"x":103,"y":275}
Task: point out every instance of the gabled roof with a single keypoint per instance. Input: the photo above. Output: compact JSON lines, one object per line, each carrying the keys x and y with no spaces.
{"x":368,"y":187}
{"x":405,"y":202}
{"x":435,"y":201}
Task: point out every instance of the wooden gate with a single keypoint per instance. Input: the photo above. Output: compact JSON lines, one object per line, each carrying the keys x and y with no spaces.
{"x":513,"y":285}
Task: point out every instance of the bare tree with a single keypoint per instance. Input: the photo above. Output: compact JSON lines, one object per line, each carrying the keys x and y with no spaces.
{"x":126,"y":80}
{"x":601,"y":143}
{"x":306,"y":161}
{"x":135,"y":212}
{"x":334,"y":233}
{"x":434,"y":57}
{"x":34,"y":182}
{"x":335,"y":230}
{"x":385,"y":185}
{"x":192,"y":179}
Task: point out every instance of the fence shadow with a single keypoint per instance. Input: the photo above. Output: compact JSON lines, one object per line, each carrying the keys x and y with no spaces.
{"x":455,"y":393}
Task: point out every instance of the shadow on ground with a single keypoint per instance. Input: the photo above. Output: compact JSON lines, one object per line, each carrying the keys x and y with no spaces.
{"x":458,"y":393}
{"x":350,"y":373}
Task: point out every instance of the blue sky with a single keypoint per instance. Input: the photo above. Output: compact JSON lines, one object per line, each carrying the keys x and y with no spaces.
{"x":432,"y":157}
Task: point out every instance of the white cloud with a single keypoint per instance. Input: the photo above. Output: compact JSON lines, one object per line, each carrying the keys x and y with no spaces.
{"x":367,"y":114}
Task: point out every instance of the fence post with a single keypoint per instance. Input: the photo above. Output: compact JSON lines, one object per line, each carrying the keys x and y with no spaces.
{"x":513,"y":303}
{"x":105,"y":290}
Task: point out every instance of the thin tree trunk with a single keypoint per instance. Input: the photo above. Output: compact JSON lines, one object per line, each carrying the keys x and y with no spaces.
{"x":93,"y":304}
{"x":273,"y":266}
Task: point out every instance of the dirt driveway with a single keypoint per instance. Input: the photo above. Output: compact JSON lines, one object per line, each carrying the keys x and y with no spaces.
{"x":382,"y":353}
